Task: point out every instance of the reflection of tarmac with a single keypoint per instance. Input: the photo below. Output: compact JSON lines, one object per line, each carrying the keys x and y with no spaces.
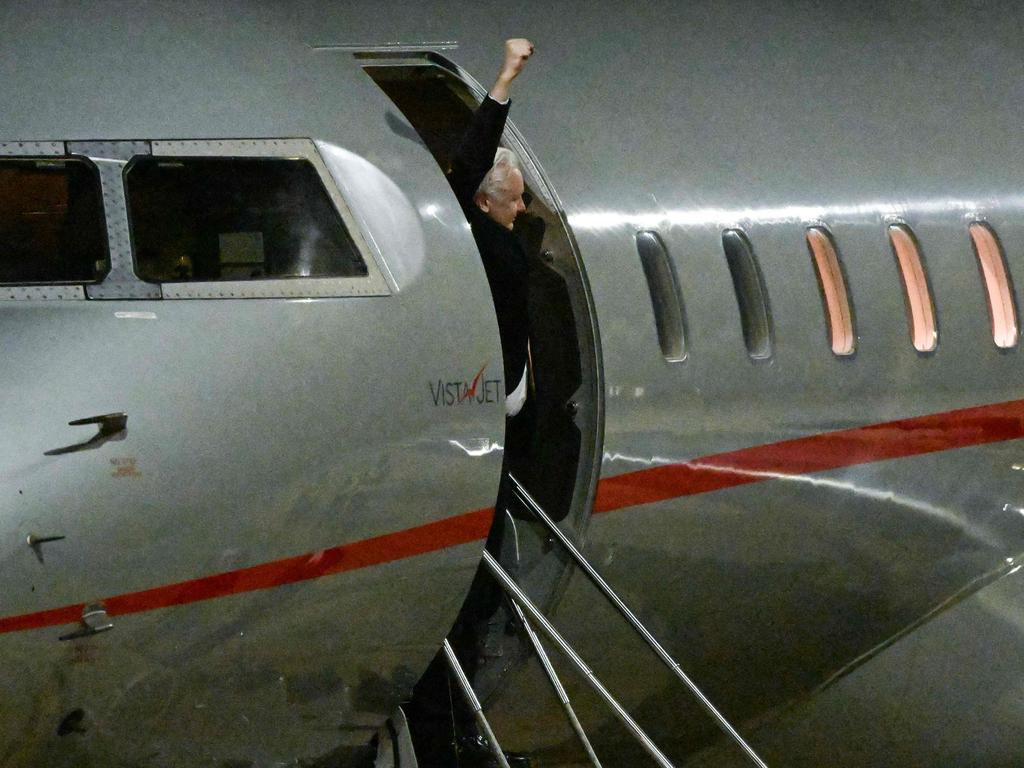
{"x":925,"y":700}
{"x":878,"y":708}
{"x":225,"y":676}
{"x":764,"y":594}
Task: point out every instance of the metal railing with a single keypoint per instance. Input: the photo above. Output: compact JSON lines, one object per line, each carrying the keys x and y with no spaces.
{"x":598,"y":581}
{"x":474,"y":704}
{"x":515,"y":593}
{"x":526,"y":611}
{"x":556,"y":684}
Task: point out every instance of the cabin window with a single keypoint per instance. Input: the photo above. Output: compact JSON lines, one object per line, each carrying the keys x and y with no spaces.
{"x":751,"y":296}
{"x":920,"y":310}
{"x":995,"y":277}
{"x":666,"y":298}
{"x":834,"y":295}
{"x":235,"y":218}
{"x":52,"y":226}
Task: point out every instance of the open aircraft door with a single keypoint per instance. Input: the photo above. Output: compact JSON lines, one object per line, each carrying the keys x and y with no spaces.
{"x":558,"y":460}
{"x":240,"y":486}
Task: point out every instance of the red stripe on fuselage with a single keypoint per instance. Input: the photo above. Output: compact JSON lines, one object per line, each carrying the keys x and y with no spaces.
{"x":807,"y":455}
{"x":831,"y":450}
{"x":449,"y":532}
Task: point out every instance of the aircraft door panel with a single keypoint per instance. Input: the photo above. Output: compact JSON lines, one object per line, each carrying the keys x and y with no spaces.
{"x":53,"y":381}
{"x":261,"y":435}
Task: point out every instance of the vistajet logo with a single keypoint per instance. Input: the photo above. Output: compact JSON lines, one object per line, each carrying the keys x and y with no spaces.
{"x":479,"y":390}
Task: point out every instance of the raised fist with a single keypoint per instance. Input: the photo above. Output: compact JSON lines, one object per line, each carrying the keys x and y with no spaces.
{"x":517,"y":51}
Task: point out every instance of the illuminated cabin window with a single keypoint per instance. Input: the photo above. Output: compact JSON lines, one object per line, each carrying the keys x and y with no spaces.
{"x":1002,"y":308}
{"x":52,"y":226}
{"x":206,"y":218}
{"x":920,"y":309}
{"x":834,"y":294}
{"x":751,"y":296}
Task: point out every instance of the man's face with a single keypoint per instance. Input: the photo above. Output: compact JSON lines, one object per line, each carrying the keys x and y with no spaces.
{"x":507,"y":202}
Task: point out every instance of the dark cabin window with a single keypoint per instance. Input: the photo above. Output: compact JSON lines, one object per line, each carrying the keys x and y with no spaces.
{"x":52,"y":228}
{"x":751,"y":296}
{"x":203,"y":218}
{"x":666,"y":298}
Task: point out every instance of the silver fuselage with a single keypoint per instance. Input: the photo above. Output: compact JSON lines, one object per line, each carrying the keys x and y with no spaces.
{"x":868,"y":614}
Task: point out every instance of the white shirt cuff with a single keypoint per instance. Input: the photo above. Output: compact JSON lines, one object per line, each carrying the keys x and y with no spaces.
{"x":516,"y":398}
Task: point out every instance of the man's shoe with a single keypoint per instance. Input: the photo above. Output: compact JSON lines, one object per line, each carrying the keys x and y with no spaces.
{"x":475,"y":752}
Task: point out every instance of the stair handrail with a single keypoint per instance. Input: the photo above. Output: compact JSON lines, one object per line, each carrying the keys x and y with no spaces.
{"x":610,"y":594}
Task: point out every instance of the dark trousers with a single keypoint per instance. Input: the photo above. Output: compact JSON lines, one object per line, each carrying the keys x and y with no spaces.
{"x":437,"y":713}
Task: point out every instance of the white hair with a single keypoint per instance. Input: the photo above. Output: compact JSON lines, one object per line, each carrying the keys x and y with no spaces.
{"x":505,"y":161}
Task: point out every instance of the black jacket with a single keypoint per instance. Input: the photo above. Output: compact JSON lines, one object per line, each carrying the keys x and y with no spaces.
{"x":502,"y":254}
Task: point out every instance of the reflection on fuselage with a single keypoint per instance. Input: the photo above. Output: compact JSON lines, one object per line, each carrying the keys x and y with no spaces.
{"x":845,"y":486}
{"x":602,"y":221}
{"x":477,"y":446}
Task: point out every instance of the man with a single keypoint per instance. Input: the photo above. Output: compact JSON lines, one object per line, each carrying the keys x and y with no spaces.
{"x":489,"y":185}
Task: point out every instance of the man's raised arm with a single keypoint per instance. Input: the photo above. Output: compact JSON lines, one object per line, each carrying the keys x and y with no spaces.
{"x":475,"y":152}
{"x":517,"y":51}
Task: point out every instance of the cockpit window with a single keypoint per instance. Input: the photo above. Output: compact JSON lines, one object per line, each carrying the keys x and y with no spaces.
{"x":235,"y":218}
{"x":52,"y":227}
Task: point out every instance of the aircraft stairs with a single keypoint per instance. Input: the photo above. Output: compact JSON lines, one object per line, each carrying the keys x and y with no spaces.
{"x":530,"y":618}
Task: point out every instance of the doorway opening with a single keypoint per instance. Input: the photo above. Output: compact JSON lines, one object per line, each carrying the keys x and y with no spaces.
{"x":560,"y":462}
